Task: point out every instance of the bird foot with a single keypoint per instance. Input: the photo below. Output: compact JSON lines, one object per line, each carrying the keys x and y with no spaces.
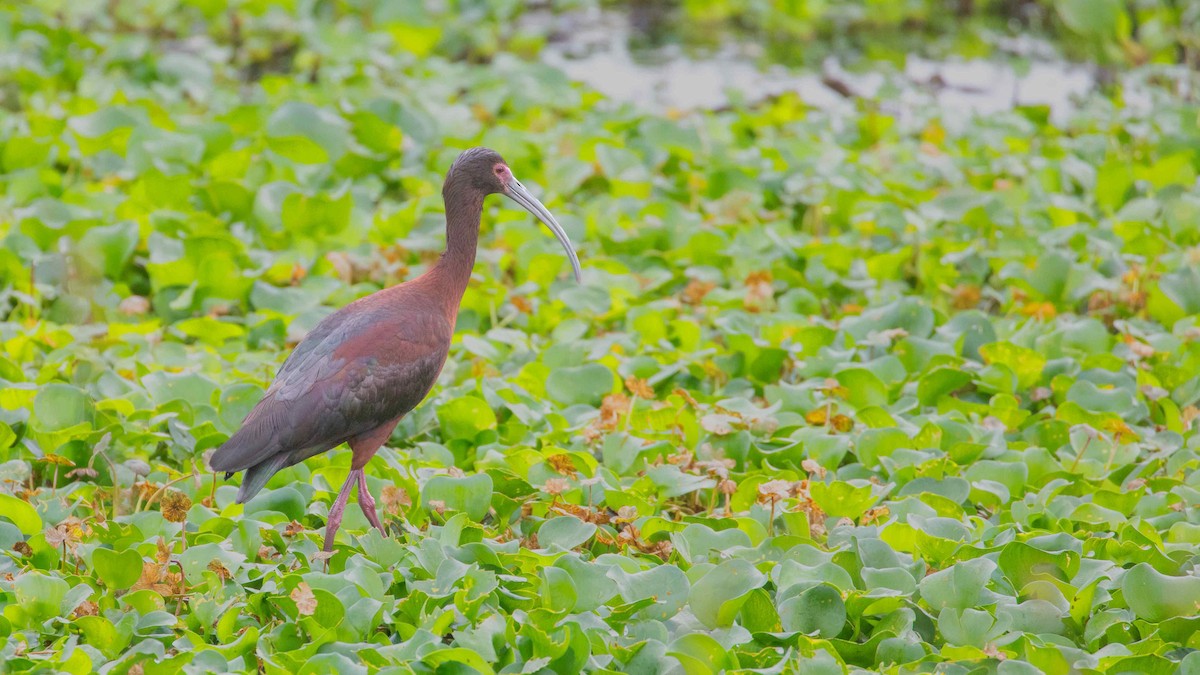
{"x":367,"y":503}
{"x":339,"y":508}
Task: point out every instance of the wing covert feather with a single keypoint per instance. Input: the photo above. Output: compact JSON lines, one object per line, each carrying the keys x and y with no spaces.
{"x":351,"y":374}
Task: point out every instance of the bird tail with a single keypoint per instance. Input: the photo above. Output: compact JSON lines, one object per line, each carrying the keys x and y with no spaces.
{"x":258,"y":475}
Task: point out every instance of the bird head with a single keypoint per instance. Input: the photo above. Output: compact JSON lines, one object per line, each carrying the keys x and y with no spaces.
{"x":487,"y":172}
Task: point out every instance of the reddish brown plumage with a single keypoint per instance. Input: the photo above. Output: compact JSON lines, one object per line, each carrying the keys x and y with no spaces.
{"x":368,"y":364}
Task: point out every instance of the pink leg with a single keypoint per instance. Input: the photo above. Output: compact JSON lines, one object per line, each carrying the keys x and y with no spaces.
{"x":366,"y":502}
{"x":339,"y":506}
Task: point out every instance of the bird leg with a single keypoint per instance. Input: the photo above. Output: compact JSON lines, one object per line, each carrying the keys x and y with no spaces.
{"x":339,"y":506}
{"x":366,"y":502}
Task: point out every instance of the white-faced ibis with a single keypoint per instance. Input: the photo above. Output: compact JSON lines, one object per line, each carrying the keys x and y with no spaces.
{"x":368,"y":364}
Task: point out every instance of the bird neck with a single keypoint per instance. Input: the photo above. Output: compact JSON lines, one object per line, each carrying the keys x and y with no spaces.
{"x":464,"y":208}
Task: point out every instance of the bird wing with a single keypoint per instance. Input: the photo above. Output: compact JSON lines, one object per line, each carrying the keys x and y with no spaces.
{"x":354,"y":372}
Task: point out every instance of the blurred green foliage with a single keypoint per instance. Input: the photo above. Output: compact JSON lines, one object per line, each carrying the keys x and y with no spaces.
{"x":879,"y":389}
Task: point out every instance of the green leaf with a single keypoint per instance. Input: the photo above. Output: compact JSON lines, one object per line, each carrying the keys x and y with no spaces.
{"x":758,"y":613}
{"x":558,"y":590}
{"x":940,"y":382}
{"x":1025,"y":363}
{"x":718,"y":596}
{"x":316,"y":216}
{"x":307,"y":134}
{"x":564,"y":533}
{"x":666,"y":585}
{"x":471,"y":495}
{"x":968,"y":626}
{"x":20,"y":513}
{"x":960,"y":586}
{"x":464,"y":417}
{"x":196,"y":560}
{"x":118,"y":571}
{"x":1154,"y":596}
{"x":1090,"y":18}
{"x":593,"y":586}
{"x":286,"y":500}
{"x":40,"y":595}
{"x":579,"y":384}
{"x":58,"y":406}
{"x":843,"y":499}
{"x":864,"y":387}
{"x":817,"y":611}
{"x":165,"y":387}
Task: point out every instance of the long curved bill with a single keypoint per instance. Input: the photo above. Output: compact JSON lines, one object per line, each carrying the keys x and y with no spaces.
{"x":520,"y":195}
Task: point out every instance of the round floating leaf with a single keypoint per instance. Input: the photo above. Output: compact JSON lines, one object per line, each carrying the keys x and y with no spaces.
{"x":579,"y":384}
{"x":1154,"y":596}
{"x":863,"y":387}
{"x":465,"y":417}
{"x":817,"y":611}
{"x":471,"y":495}
{"x":117,"y":570}
{"x":558,"y":589}
{"x":593,"y":586}
{"x":961,"y":585}
{"x":236,"y":402}
{"x":165,"y":387}
{"x":40,"y":595}
{"x":20,"y":513}
{"x":286,"y":500}
{"x":758,"y":613}
{"x":196,"y":560}
{"x":843,"y":499}
{"x":698,"y":542}
{"x":1090,"y":18}
{"x":307,"y":134}
{"x":718,"y":596}
{"x":565,"y":533}
{"x":1025,"y":363}
{"x":968,"y":626}
{"x":666,"y":585}
{"x":940,"y":382}
{"x":59,"y":406}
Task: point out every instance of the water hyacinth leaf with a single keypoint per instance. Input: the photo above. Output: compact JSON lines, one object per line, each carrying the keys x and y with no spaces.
{"x":1097,"y":19}
{"x":20,"y":513}
{"x":698,"y":542}
{"x":471,"y":495}
{"x":565,"y":533}
{"x":698,"y":652}
{"x":285,"y":500}
{"x":1154,"y":596}
{"x":864,"y":387}
{"x":968,"y":626}
{"x":558,"y":591}
{"x":843,"y":499}
{"x":59,"y":406}
{"x":593,"y":586}
{"x":40,"y":595}
{"x":818,"y":611}
{"x":196,"y":560}
{"x":193,"y":388}
{"x":940,"y":382}
{"x":1025,"y":363}
{"x":960,"y":586}
{"x":307,"y":134}
{"x":465,"y":417}
{"x":579,"y":384}
{"x":665,"y":585}
{"x":717,"y":597}
{"x":118,"y":570}
{"x":317,"y":215}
